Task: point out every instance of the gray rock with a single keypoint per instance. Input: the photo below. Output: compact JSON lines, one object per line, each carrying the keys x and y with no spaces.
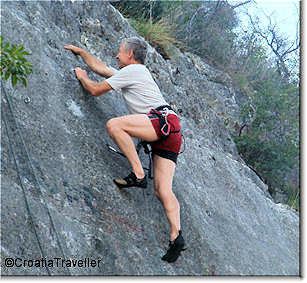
{"x":57,"y":195}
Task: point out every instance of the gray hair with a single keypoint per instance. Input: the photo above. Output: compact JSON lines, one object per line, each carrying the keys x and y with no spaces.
{"x":138,"y":47}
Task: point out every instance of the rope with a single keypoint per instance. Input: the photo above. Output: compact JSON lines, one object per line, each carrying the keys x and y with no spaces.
{"x":138,"y":148}
{"x":30,"y":164}
{"x":148,"y":152}
{"x":31,"y":167}
{"x":183,"y":138}
{"x":24,"y":195}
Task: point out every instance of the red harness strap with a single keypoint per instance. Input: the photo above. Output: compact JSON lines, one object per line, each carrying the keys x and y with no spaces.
{"x":162,"y":115}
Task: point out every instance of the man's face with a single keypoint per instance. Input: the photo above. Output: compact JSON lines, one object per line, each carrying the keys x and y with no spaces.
{"x":123,"y":56}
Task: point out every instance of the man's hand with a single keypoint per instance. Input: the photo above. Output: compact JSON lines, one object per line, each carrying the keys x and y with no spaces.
{"x":95,"y":64}
{"x":74,"y":49}
{"x":80,"y":74}
{"x":92,"y":87}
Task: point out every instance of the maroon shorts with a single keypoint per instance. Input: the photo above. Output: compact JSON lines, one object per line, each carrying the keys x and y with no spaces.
{"x":168,"y":147}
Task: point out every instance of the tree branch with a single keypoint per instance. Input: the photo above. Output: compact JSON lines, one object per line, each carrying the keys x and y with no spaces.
{"x":240,"y":4}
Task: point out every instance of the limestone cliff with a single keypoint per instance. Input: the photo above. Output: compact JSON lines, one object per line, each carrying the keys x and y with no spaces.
{"x":57,"y":194}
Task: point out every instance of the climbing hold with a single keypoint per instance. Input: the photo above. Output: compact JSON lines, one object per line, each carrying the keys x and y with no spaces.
{"x":27,"y":99}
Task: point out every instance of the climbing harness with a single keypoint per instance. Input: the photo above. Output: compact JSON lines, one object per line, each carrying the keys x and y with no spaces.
{"x":162,"y":113}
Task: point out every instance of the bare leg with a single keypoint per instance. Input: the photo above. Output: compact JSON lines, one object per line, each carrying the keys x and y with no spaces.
{"x":126,"y":145}
{"x":164,"y":170}
{"x":121,"y":130}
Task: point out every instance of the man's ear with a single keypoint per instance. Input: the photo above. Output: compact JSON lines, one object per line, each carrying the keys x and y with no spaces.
{"x":130,"y":54}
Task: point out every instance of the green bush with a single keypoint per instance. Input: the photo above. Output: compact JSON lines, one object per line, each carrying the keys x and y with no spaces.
{"x":150,"y":19}
{"x":206,"y":28}
{"x":147,"y":10}
{"x":271,"y":143}
{"x":294,"y":197}
{"x":158,"y":33}
{"x":14,"y":65}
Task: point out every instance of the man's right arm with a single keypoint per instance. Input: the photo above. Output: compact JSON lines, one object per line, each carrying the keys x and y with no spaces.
{"x":95,"y":64}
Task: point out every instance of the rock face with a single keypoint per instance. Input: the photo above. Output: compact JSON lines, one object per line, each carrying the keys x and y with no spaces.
{"x":57,"y":195}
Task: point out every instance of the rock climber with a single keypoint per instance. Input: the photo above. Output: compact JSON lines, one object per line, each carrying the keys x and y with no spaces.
{"x":151,"y":119}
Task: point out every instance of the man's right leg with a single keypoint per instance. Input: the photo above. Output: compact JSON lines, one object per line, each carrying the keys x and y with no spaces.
{"x":121,"y":129}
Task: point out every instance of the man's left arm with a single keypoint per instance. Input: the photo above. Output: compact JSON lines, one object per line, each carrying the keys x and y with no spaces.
{"x":94,"y":88}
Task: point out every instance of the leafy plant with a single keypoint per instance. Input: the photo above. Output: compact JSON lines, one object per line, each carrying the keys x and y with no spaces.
{"x":271,"y":143}
{"x":148,"y":10}
{"x":150,"y":19}
{"x":158,"y":33}
{"x":294,"y":198}
{"x":14,"y":65}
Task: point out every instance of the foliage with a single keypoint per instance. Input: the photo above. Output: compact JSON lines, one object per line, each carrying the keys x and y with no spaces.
{"x":282,"y":47}
{"x":14,"y":65}
{"x":140,"y":9}
{"x":271,"y":143}
{"x":271,"y":116}
{"x":148,"y":18}
{"x":206,"y":27}
{"x":158,"y":33}
{"x":152,"y":10}
{"x":294,"y":197}
{"x":249,"y":65}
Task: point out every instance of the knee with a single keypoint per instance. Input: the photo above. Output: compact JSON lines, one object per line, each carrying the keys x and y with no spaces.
{"x":157,"y":190}
{"x":163,"y":196}
{"x":169,"y":201}
{"x":157,"y":194}
{"x":112,"y":126}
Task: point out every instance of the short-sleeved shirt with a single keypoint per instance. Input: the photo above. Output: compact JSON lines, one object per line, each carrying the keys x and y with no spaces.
{"x":139,"y":89}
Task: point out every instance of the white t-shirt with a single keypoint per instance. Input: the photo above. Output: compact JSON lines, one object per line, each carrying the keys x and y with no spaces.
{"x":139,"y":89}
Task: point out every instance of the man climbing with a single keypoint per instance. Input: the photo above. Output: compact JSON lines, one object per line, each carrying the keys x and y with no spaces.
{"x":151,"y":119}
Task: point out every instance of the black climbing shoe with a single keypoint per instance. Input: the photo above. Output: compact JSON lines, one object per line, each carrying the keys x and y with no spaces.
{"x":175,"y":248}
{"x":130,"y":181}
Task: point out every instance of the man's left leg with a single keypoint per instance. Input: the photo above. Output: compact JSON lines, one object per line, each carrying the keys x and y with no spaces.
{"x":122,"y":129}
{"x":164,"y":170}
